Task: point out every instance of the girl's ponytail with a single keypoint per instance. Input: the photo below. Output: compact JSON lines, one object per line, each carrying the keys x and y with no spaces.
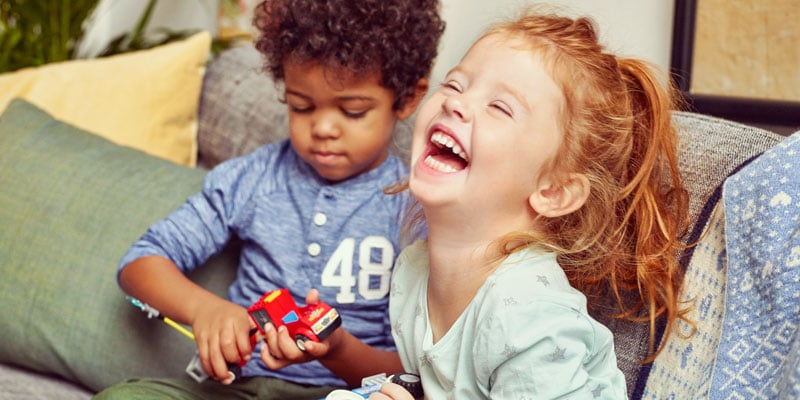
{"x":657,"y":201}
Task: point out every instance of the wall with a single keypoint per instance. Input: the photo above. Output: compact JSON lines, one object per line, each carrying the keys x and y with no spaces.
{"x":749,"y":50}
{"x":115,"y":17}
{"x":638,"y":28}
{"x":635,"y":28}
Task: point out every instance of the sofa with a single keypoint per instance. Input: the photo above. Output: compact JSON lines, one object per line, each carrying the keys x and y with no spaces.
{"x":73,"y":201}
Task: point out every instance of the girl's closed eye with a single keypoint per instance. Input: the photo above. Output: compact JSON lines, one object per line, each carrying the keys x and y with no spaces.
{"x":452,"y":85}
{"x":502,"y":107}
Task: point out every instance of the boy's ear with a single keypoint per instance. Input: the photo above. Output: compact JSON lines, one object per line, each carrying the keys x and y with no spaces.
{"x":412,"y":101}
{"x":552,"y":201}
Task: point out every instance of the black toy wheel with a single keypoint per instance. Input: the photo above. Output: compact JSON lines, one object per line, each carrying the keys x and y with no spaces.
{"x":410,"y":382}
{"x":235,"y":370}
{"x":300,"y":340}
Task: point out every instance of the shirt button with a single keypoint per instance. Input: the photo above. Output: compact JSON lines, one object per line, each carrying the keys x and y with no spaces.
{"x":314,"y":249}
{"x":320,"y":219}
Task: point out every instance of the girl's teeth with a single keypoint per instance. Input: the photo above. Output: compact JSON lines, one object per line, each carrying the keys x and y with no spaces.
{"x":443,"y":140}
{"x":439,"y":166}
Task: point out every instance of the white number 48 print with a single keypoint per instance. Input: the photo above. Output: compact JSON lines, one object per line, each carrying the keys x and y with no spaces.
{"x":338,"y":271}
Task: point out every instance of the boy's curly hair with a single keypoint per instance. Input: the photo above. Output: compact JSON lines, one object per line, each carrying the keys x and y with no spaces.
{"x":398,"y":38}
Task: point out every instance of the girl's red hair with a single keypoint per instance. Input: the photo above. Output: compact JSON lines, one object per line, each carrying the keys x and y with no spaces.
{"x":617,"y":131}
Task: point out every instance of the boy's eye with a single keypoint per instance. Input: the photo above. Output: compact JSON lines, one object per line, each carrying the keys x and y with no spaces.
{"x":299,"y":106}
{"x":354,"y":114}
{"x":300,"y":110}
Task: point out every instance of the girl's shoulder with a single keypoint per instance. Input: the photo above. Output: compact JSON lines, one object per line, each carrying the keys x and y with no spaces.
{"x":530,"y":278}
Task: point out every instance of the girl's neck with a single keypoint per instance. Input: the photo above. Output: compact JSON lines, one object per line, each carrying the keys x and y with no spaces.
{"x":459,"y":265}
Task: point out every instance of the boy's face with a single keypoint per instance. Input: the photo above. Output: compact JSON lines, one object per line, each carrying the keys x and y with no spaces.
{"x":483,"y":137}
{"x":341,"y":125}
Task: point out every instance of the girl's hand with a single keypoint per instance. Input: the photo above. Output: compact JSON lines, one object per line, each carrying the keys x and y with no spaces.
{"x":280,"y":350}
{"x":221,"y":330}
{"x":391,"y":391}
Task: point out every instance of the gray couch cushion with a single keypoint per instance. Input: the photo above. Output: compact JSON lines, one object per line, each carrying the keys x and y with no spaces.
{"x":239,"y":107}
{"x":21,"y":384}
{"x":710,"y":150}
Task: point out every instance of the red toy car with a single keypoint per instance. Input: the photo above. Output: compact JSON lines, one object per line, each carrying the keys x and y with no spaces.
{"x":312,"y":322}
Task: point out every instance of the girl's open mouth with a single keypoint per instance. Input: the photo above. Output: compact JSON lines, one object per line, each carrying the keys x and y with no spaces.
{"x":445,"y":154}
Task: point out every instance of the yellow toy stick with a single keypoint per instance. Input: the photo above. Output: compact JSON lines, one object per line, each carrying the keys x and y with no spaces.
{"x":153,"y":313}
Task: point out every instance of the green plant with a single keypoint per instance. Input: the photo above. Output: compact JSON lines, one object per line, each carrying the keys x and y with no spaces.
{"x":36,"y":32}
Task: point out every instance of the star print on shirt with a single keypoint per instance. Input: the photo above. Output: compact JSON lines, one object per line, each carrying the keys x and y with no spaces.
{"x":557,"y":354}
{"x":543,"y":280}
{"x":395,"y":291}
{"x":424,"y":361}
{"x":509,"y":351}
{"x":596,"y":391}
{"x":398,"y":328}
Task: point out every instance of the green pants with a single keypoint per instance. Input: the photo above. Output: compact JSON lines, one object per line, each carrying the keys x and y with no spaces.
{"x":262,"y":388}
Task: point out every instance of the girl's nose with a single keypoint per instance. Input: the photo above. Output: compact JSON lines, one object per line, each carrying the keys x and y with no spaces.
{"x":456,"y":105}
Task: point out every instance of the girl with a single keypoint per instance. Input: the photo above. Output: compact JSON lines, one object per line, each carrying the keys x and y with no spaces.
{"x":547,"y":174}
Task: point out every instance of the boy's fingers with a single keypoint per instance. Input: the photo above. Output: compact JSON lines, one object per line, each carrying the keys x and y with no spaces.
{"x":208,"y":356}
{"x":270,"y":360}
{"x":312,"y":297}
{"x":287,"y":345}
{"x":316,"y":349}
{"x":229,"y":379}
{"x":246,"y":346}
{"x":272,"y":342}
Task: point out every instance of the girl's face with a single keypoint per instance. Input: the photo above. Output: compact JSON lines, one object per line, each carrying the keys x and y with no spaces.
{"x":339,"y":124}
{"x":482,"y":138}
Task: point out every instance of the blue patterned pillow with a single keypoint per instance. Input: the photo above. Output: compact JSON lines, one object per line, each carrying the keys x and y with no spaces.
{"x":685,"y":364}
{"x":759,"y":350}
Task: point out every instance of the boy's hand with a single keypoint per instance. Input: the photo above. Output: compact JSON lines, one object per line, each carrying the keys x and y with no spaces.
{"x":391,"y":391}
{"x":280,"y":350}
{"x":221,"y":332}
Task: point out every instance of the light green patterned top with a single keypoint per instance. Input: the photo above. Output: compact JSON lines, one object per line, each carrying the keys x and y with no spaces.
{"x":525,"y":335}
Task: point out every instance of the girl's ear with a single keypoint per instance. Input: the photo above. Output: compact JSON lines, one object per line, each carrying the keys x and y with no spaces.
{"x":556,"y":200}
{"x":412,"y":101}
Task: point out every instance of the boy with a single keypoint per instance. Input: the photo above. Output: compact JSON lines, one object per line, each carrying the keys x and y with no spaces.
{"x":309,"y":211}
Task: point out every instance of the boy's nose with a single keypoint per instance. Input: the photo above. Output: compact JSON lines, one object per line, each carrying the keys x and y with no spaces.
{"x":325,"y":127}
{"x":455,"y":105}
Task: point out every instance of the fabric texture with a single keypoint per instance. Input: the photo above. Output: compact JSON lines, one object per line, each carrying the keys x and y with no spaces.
{"x":709,"y":150}
{"x":185,"y":388}
{"x":297,"y":231}
{"x":71,"y":204}
{"x":146,"y":99}
{"x":20,"y":384}
{"x":759,"y":351}
{"x":686,"y":363}
{"x":525,"y":334}
{"x":718,"y":149}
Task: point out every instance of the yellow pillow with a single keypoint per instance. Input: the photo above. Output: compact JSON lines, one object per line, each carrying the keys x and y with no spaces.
{"x":147,"y":99}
